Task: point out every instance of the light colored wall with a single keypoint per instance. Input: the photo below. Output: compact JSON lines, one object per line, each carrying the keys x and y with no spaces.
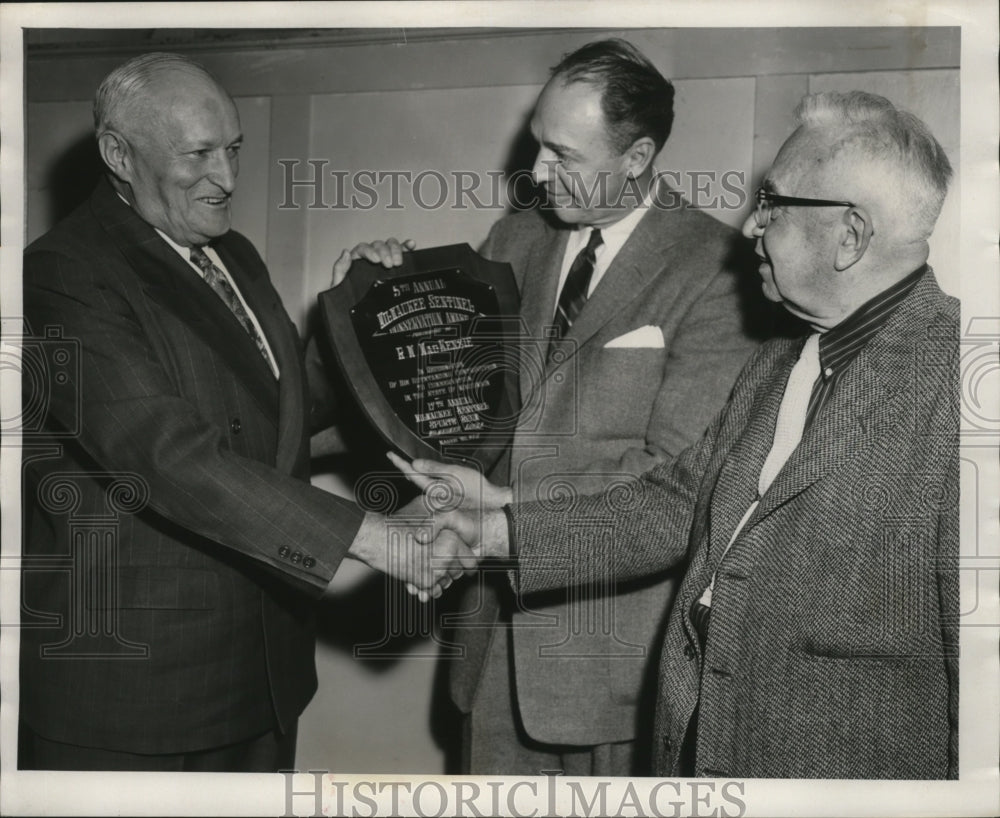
{"x":439,"y":132}
{"x":455,"y":100}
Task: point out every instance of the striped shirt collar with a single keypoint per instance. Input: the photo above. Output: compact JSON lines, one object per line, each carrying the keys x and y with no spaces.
{"x":841,"y":344}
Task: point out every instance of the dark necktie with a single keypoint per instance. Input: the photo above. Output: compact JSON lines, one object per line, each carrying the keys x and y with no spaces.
{"x":574,"y":291}
{"x":217,"y":280}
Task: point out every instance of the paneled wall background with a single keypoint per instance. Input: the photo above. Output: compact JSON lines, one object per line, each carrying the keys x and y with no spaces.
{"x":434,"y":103}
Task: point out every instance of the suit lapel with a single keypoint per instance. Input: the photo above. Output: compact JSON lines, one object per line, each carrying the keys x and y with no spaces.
{"x":541,"y":279}
{"x":628,"y":275}
{"x":538,"y":304}
{"x":736,"y":487}
{"x":642,"y":258}
{"x":171,"y":282}
{"x":871,"y":397}
{"x":645,"y":256}
{"x":271,"y":316}
{"x":860,"y":411}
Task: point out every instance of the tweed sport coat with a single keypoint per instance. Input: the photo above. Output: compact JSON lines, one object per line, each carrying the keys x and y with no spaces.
{"x":206,"y":631}
{"x":832,"y":650}
{"x":606,"y":414}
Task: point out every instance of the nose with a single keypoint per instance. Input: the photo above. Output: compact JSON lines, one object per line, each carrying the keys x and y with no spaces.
{"x":751,"y":229}
{"x":542,"y":170}
{"x":224,"y":170}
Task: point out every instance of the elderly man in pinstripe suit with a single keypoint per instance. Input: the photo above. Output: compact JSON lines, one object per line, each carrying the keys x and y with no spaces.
{"x":815,"y":632}
{"x":184,"y":639}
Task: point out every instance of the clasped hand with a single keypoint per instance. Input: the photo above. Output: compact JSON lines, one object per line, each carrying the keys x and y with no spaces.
{"x":464,"y":504}
{"x":416,"y":547}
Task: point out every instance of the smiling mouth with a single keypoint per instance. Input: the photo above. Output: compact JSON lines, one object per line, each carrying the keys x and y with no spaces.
{"x":215,"y":201}
{"x":558,"y":198}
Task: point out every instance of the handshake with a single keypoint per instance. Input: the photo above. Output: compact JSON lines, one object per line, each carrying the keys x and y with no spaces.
{"x":433,"y":540}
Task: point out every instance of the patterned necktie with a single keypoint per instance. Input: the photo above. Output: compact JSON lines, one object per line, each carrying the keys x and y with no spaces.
{"x":217,"y":280}
{"x":574,"y":291}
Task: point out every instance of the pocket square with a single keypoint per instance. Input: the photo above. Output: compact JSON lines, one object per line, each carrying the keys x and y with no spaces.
{"x":648,"y":337}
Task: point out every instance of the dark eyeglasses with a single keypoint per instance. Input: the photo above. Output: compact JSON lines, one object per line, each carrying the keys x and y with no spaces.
{"x":766,"y":200}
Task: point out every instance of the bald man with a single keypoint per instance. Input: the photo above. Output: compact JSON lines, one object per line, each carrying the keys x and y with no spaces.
{"x":173,"y":545}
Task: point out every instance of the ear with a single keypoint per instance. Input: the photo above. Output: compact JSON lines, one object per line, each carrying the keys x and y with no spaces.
{"x":117,"y":154}
{"x":856,"y":233}
{"x":639,"y":156}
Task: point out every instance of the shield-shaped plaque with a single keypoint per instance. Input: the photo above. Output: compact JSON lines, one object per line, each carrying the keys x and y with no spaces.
{"x":429,"y":349}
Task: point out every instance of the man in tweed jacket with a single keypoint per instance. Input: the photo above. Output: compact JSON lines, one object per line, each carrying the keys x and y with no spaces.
{"x":815,"y":632}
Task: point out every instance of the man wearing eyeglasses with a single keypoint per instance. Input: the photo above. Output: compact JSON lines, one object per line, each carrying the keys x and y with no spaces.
{"x":814,"y":634}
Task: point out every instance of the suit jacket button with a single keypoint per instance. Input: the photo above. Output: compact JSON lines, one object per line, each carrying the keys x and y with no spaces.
{"x":297,"y":557}
{"x":689,"y":651}
{"x":308,"y":562}
{"x":235,"y":426}
{"x":284,"y":551}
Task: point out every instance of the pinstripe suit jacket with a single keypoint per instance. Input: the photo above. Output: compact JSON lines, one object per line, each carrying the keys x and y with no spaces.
{"x":603,"y":416}
{"x":186,"y":624}
{"x":833,"y":645}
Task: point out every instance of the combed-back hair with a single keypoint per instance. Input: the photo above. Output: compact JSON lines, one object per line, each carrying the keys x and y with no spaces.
{"x":868,"y":129}
{"x":127,"y":85}
{"x":636,"y":99}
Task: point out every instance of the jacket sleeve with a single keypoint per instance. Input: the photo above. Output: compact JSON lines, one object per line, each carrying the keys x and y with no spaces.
{"x":628,"y":531}
{"x":133,"y":419}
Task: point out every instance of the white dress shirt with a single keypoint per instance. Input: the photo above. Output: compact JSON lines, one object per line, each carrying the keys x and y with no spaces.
{"x":788,"y":431}
{"x":614,"y":236}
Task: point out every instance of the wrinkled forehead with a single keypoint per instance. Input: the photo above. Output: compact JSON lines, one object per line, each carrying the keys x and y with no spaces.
{"x":180,"y":84}
{"x":180,"y":98}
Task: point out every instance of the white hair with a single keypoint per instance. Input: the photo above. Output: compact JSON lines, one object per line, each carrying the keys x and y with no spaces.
{"x":120,"y":92}
{"x":869,"y":131}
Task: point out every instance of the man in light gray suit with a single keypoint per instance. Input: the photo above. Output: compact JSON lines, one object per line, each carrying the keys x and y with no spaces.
{"x":632,"y":297}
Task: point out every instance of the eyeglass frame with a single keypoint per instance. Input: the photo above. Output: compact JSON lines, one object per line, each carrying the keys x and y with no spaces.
{"x":762,"y":195}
